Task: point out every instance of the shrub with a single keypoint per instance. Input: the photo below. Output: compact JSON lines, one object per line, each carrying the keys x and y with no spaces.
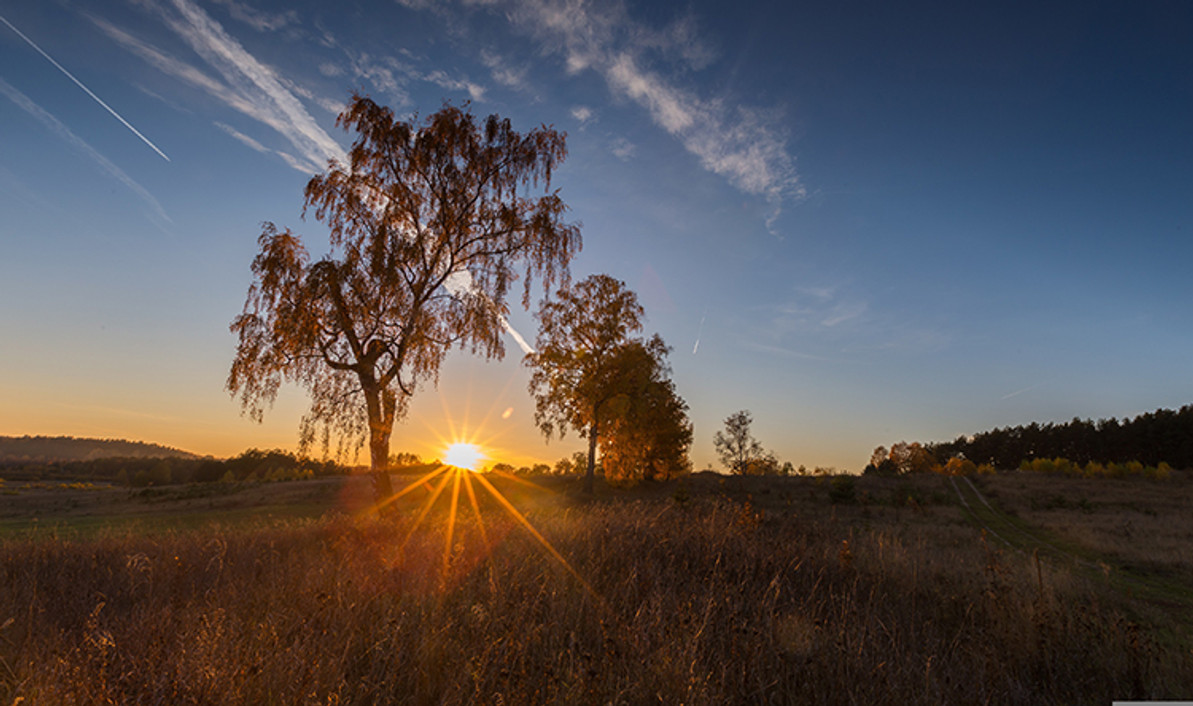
{"x":959,"y":466}
{"x":842,"y":490}
{"x":1161,"y":472}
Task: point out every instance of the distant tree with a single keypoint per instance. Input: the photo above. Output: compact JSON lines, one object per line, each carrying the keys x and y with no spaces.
{"x":403,"y":459}
{"x":766,"y":464}
{"x":569,"y":465}
{"x":910,"y":457}
{"x":736,"y":446}
{"x":429,"y":226}
{"x":577,"y":375}
{"x":880,"y":463}
{"x":160,"y":473}
{"x":648,"y":434}
{"x":880,"y":454}
{"x":208,"y":472}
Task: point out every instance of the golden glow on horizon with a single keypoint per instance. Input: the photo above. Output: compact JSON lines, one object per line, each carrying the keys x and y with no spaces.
{"x":462,"y":454}
{"x":456,"y":477}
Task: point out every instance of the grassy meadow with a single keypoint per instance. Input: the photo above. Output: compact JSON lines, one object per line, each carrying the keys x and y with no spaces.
{"x":1016,"y":589}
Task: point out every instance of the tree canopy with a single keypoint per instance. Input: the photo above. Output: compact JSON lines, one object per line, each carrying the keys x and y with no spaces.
{"x":590,"y":370}
{"x":430,"y":224}
{"x":648,"y":434}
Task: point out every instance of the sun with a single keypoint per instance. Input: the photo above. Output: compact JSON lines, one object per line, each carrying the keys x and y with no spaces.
{"x":463,"y":455}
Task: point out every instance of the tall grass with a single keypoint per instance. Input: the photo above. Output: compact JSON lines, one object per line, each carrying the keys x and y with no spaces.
{"x":706,"y":602}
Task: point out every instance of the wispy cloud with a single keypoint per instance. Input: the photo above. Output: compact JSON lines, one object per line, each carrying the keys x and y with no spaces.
{"x":391,"y":76}
{"x":745,"y":145}
{"x":842,"y":312}
{"x":780,"y":351}
{"x":623,"y":149}
{"x":442,"y":79}
{"x":258,"y":20}
{"x":582,"y":113}
{"x":839,"y":323}
{"x":247,"y":85}
{"x":504,"y":73}
{"x":86,"y":90}
{"x":818,"y":310}
{"x":252,"y":144}
{"x":57,"y":127}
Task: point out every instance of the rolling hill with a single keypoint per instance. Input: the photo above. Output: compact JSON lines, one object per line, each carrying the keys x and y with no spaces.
{"x":59,"y":449}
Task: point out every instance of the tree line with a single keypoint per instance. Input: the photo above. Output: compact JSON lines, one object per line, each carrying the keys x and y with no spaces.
{"x":251,"y":465}
{"x":1155,"y":439}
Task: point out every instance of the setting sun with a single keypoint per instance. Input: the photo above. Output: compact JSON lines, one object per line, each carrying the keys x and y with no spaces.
{"x":463,"y":455}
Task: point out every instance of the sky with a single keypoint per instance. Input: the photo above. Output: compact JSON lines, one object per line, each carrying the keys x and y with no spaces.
{"x":864,"y":222}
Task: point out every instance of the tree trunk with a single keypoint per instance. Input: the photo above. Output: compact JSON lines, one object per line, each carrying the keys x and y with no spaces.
{"x":379,"y":452}
{"x":591,"y":474}
{"x":379,"y":432}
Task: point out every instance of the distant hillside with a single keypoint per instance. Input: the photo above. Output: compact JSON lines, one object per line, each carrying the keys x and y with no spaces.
{"x":59,"y":449}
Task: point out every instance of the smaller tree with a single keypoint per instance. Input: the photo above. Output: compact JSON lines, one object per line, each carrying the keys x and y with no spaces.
{"x":576,"y":375}
{"x":648,"y":434}
{"x":736,"y":446}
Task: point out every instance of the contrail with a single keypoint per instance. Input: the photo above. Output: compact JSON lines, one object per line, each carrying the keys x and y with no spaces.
{"x":699,"y":332}
{"x":526,"y":348}
{"x":1016,"y":393}
{"x":64,"y":132}
{"x":79,"y":83}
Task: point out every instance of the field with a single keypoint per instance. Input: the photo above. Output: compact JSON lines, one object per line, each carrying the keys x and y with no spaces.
{"x":1007,"y":589}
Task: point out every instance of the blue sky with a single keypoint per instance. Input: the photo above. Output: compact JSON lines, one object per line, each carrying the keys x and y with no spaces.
{"x":879,"y":221}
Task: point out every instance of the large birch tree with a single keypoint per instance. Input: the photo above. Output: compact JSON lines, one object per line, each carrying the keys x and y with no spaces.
{"x":429,"y":225}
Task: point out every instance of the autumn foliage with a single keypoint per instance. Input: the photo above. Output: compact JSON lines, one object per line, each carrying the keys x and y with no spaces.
{"x":430,"y":225}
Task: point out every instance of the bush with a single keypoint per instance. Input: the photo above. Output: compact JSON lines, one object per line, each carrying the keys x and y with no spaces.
{"x":959,"y":466}
{"x":1161,"y":472}
{"x":842,"y":490}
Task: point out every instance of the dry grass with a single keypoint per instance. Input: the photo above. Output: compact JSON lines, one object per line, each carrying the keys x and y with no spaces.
{"x":1136,"y":522}
{"x":753,"y":591}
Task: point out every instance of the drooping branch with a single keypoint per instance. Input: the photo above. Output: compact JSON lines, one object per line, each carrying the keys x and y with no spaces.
{"x":414,"y":207}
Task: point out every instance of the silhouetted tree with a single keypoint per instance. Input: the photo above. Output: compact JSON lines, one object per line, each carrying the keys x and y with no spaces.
{"x":736,"y":446}
{"x":429,"y":225}
{"x":1152,"y":438}
{"x":577,"y":370}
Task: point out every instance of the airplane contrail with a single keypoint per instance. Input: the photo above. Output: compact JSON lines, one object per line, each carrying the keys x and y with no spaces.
{"x":22,"y":101}
{"x":1016,"y":393}
{"x":699,"y":332}
{"x":79,"y":83}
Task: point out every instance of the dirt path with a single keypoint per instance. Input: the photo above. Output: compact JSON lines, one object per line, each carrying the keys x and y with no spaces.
{"x":1007,"y":530}
{"x":1172,"y":596}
